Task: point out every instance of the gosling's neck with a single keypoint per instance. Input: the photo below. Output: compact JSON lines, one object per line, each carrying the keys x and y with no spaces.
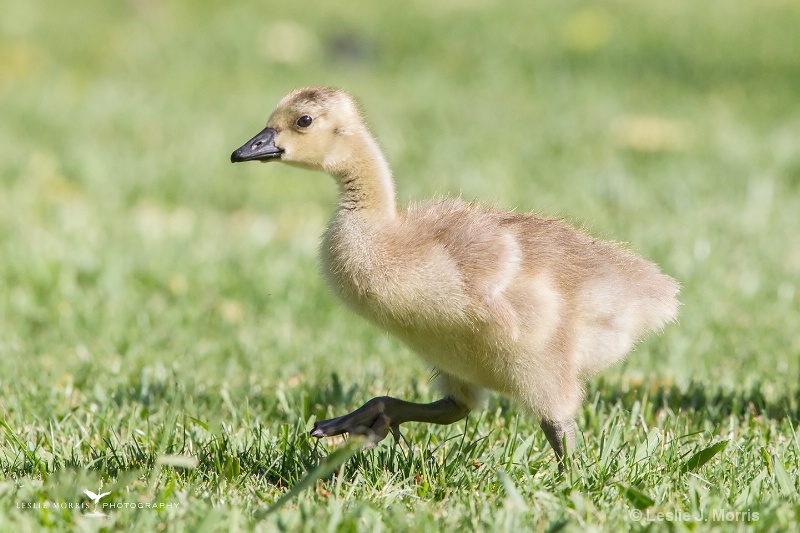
{"x":365,"y":181}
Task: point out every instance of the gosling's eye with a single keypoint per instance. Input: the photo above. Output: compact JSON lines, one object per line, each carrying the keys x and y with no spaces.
{"x":304,"y":121}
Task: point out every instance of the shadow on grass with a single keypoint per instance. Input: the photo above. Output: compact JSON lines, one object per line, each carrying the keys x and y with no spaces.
{"x":714,"y":403}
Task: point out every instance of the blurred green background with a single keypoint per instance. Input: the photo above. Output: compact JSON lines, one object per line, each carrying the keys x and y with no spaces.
{"x":127,"y":235}
{"x":132,"y":252}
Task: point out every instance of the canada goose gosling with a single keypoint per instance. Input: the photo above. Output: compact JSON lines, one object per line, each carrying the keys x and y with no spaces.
{"x":515,"y":303}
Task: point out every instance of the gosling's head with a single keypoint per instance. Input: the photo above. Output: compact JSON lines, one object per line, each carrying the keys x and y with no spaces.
{"x":309,"y":128}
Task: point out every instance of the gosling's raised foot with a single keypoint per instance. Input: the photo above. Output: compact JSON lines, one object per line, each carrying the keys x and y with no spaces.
{"x":383,"y":414}
{"x":370,"y":419}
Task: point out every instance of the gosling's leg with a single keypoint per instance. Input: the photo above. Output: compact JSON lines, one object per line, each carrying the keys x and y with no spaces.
{"x":380,"y":415}
{"x":557,"y":433}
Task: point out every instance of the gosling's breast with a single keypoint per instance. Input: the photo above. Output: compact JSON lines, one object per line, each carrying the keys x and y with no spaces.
{"x":397,"y":283}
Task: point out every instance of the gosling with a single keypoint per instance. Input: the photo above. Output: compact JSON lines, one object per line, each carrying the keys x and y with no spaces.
{"x":515,"y":303}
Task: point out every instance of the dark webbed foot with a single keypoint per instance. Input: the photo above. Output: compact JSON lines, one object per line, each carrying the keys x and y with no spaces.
{"x":370,"y":419}
{"x":383,"y":414}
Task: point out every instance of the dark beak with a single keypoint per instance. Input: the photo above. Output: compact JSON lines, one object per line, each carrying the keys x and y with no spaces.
{"x":259,"y":148}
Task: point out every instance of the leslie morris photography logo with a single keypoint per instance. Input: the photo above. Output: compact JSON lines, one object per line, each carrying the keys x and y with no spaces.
{"x":95,"y":513}
{"x":102,"y":508}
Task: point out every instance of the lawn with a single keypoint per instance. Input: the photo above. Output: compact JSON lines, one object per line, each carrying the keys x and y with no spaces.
{"x":165,"y":335}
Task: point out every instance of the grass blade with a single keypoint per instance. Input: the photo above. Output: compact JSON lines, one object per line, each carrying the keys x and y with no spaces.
{"x":638,"y":498}
{"x":322,"y":470}
{"x":703,"y":456}
{"x":782,"y":477}
{"x":513,"y":496}
{"x":177,"y":461}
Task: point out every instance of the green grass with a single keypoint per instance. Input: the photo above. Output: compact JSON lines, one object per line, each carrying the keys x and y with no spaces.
{"x":165,"y":335}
